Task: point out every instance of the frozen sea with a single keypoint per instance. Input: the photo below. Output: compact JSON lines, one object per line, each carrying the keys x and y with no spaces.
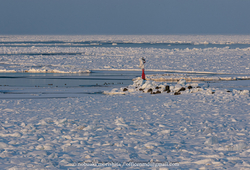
{"x":77,"y":102}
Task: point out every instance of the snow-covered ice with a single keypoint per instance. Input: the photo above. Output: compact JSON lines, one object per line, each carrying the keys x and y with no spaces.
{"x":185,"y":122}
{"x":196,"y":60}
{"x":188,"y":128}
{"x":74,"y":54}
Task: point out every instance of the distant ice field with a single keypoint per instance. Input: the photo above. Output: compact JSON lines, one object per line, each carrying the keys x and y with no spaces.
{"x":80,"y":54}
{"x":163,"y":45}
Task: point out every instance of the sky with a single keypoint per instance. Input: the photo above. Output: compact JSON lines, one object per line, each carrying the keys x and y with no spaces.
{"x":126,"y":17}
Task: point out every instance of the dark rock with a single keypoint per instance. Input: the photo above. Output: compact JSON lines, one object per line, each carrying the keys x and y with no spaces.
{"x":198,"y":87}
{"x":177,"y":93}
{"x":168,"y":91}
{"x":228,"y":91}
{"x":189,"y":87}
{"x":157,"y":92}
{"x":213,"y":92}
{"x":166,"y":88}
{"x":149,"y":90}
{"x":182,"y":89}
{"x":140,"y":89}
{"x":157,"y":87}
{"x":125,"y":89}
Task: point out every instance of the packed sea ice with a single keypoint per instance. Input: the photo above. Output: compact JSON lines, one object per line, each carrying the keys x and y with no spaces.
{"x":198,"y":129}
{"x":76,"y":54}
{"x":186,"y":125}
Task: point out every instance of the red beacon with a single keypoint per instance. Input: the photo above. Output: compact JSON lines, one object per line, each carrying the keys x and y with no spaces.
{"x":142,"y":62}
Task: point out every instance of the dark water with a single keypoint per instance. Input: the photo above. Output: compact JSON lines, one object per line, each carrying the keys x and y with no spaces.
{"x":115,"y":44}
{"x":94,"y":79}
{"x":55,"y":85}
{"x":52,"y":85}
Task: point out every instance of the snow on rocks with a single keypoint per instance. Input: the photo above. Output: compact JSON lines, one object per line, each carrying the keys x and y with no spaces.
{"x":182,"y":87}
{"x":193,"y":78}
{"x":153,"y":87}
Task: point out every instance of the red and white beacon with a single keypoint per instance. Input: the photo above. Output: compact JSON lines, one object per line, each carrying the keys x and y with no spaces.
{"x":142,"y":62}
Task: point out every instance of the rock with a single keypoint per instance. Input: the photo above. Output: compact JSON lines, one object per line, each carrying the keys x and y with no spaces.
{"x":157,"y":92}
{"x":189,"y":87}
{"x":157,"y":87}
{"x":182,"y":89}
{"x":125,"y":89}
{"x":166,"y":88}
{"x":149,"y":91}
{"x":177,"y":87}
{"x":177,"y":93}
{"x":140,"y":89}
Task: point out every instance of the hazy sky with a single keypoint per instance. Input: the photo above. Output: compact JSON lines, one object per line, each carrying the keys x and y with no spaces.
{"x":124,"y":16}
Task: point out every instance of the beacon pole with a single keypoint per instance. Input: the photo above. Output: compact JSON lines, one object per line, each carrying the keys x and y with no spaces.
{"x":142,"y":62}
